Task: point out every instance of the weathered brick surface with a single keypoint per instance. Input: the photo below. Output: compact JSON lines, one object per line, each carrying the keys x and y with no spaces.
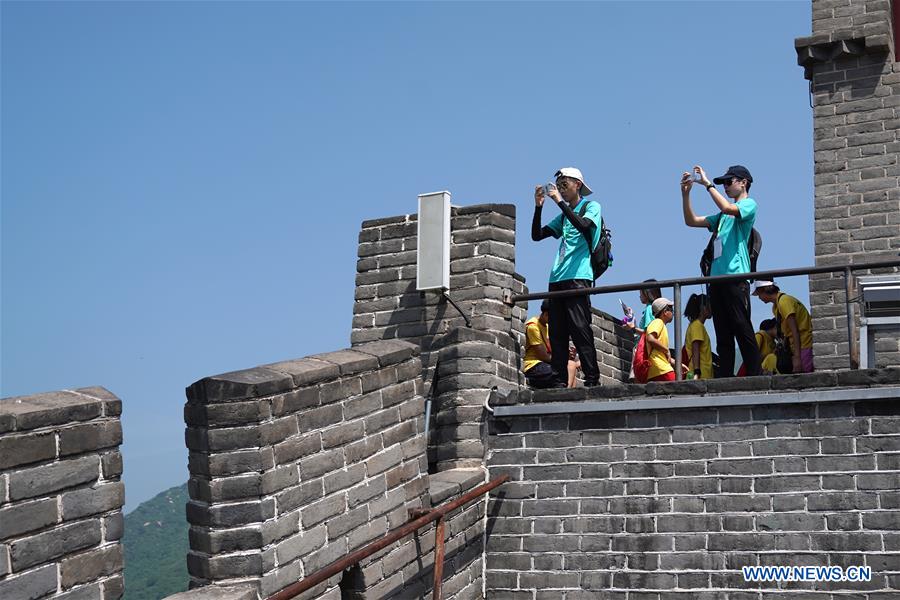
{"x":286,"y":478}
{"x":614,"y":347}
{"x":482,"y":266}
{"x":407,"y":570}
{"x":60,"y":495}
{"x":671,"y":503}
{"x":31,"y":585}
{"x":91,"y":566}
{"x":855,"y":86}
{"x":215,"y":592}
{"x":346,"y":474}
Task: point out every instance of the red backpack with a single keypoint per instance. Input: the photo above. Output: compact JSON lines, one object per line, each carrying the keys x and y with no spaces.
{"x":641,"y":362}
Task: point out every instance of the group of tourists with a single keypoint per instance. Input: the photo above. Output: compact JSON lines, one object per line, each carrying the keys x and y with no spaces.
{"x":782,"y":344}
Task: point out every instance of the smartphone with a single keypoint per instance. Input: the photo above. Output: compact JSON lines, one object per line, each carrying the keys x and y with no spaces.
{"x":548,"y":187}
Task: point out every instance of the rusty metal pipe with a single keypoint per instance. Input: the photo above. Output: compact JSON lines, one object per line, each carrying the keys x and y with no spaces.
{"x":438,"y":559}
{"x":339,"y":565}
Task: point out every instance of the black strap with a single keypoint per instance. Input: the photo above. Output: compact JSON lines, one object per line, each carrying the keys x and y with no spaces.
{"x":587,"y":239}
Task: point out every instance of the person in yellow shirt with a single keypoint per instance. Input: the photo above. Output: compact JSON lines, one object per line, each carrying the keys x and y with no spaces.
{"x":661,"y":361}
{"x":765,"y":340}
{"x":794,"y":322}
{"x":537,"y":369}
{"x":696,"y":339}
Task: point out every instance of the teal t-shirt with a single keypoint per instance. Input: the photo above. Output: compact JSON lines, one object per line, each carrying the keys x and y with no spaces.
{"x":734,"y":232}
{"x":573,"y":259}
{"x":646,"y":318}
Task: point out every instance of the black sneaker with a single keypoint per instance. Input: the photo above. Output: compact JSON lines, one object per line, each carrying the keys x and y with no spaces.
{"x":591,"y":384}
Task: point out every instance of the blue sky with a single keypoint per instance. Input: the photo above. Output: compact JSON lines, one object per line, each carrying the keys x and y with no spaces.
{"x":183,"y":183}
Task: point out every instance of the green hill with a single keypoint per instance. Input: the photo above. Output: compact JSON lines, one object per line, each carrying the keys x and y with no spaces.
{"x":156,"y":544}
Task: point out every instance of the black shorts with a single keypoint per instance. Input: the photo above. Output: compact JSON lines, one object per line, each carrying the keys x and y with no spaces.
{"x":540,"y":376}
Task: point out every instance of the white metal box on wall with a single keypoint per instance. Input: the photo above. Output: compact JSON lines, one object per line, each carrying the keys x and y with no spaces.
{"x":433,"y":244}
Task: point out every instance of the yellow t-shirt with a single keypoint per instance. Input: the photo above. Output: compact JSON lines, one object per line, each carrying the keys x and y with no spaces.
{"x":536,"y":335}
{"x":659,"y":364}
{"x":696,"y":332}
{"x":765,"y":343}
{"x":786,"y":306}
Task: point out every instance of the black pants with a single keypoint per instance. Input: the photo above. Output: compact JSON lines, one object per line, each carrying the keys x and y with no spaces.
{"x":730,"y":304}
{"x":571,"y":318}
{"x":540,"y":376}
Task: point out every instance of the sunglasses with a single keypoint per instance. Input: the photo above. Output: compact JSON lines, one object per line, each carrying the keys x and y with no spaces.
{"x":563,"y":183}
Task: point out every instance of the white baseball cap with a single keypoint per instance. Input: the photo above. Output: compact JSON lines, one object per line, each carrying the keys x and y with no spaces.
{"x":575,"y":174}
{"x":760,"y":283}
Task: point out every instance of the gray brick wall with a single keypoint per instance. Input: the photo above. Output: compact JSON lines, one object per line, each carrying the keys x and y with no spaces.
{"x":482,"y":271}
{"x":469,"y":364}
{"x":856,"y":114}
{"x":671,"y":503}
{"x":412,"y":562}
{"x":61,"y":495}
{"x":482,"y":267}
{"x":297,"y":463}
{"x":615,"y":345}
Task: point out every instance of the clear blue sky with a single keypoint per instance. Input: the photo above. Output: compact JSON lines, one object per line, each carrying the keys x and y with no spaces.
{"x":183,"y":183}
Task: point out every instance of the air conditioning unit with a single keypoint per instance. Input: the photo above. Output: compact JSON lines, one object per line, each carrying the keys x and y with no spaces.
{"x":880,"y":311}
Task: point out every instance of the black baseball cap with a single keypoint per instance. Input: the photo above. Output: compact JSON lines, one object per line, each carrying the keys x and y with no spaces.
{"x":738,"y":171}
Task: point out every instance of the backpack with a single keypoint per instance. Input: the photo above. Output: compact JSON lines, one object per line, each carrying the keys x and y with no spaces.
{"x":601,"y":256}
{"x":754,"y":247}
{"x":641,"y":360}
{"x":784,"y":355}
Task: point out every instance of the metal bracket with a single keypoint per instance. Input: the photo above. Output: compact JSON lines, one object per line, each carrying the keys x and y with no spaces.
{"x":450,"y":300}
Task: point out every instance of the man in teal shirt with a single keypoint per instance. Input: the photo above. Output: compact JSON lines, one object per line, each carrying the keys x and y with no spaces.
{"x":570,"y":317}
{"x":730,"y":302}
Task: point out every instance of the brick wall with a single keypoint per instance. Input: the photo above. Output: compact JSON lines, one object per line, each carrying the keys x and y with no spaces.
{"x":407,"y":571}
{"x":615,"y":345}
{"x":856,"y":97}
{"x":297,"y":463}
{"x":482,"y":269}
{"x":655,"y":502}
{"x":61,"y":496}
{"x":470,"y":364}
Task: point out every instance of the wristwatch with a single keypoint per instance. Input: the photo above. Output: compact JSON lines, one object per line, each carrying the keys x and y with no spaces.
{"x":711,"y":185}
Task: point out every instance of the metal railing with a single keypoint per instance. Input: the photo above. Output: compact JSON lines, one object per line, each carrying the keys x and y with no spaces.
{"x":677,"y":284}
{"x":419,"y":520}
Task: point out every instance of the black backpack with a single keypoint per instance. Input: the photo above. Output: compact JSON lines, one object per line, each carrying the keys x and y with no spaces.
{"x":754,"y":247}
{"x":601,"y":256}
{"x":784,"y":356}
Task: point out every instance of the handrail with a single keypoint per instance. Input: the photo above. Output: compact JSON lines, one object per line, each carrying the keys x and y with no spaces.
{"x":676,"y":285}
{"x":435,"y":514}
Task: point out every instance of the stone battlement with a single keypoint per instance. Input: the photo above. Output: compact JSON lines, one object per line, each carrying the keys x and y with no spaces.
{"x":60,"y":495}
